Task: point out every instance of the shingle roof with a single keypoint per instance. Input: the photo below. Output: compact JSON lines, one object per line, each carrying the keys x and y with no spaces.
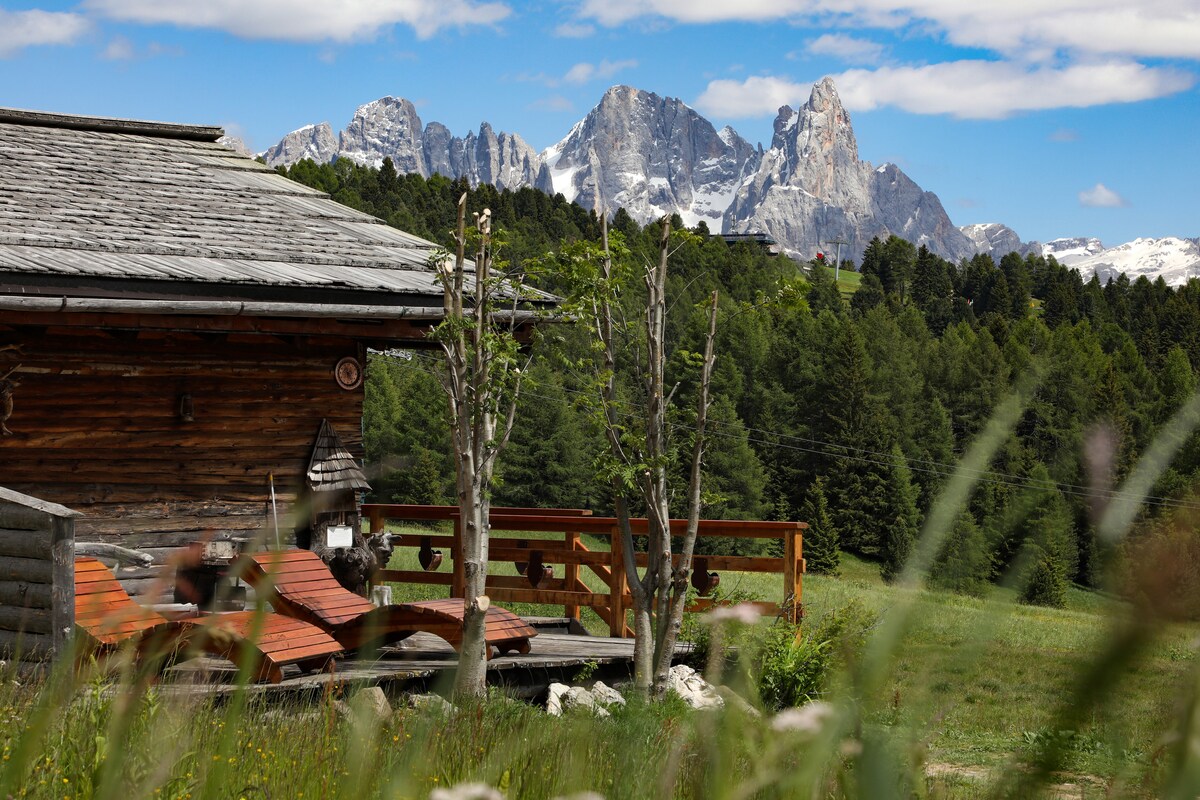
{"x":332,"y":467}
{"x":96,"y":199}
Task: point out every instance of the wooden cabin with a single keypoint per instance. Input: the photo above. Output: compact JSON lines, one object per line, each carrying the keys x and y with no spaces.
{"x":177,"y":321}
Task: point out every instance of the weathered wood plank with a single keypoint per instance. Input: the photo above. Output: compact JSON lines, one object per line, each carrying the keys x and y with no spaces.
{"x":63,"y":582}
{"x":30,"y":620}
{"x":25,"y":543}
{"x":8,"y":497}
{"x":27,"y":646}
{"x":25,"y":595}
{"x":30,"y":570}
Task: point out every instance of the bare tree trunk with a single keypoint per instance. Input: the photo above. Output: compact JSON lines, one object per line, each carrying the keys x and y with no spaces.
{"x":669,"y":632}
{"x":660,"y":594}
{"x":476,"y":387}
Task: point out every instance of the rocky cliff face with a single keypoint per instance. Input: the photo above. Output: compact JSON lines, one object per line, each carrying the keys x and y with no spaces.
{"x":391,"y":128}
{"x":811,"y":188}
{"x":998,"y":240}
{"x":651,"y":156}
{"x":317,"y":142}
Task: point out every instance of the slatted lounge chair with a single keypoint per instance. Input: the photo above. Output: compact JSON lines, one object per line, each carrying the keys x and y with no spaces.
{"x":300,"y":585}
{"x":106,"y":618}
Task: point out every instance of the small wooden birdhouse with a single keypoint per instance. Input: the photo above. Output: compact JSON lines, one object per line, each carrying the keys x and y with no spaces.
{"x":333,"y":480}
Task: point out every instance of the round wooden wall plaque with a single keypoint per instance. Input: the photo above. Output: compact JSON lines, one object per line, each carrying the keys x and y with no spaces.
{"x":349,"y":373}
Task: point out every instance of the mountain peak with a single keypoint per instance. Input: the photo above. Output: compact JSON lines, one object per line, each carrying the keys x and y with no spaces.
{"x":650,"y":155}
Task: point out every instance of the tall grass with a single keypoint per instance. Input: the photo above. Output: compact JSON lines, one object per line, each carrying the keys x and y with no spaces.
{"x":950,"y":696}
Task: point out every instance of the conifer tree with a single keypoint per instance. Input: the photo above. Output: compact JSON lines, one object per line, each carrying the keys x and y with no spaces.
{"x":859,"y":430}
{"x":821,"y":540}
{"x":964,"y":564}
{"x":901,"y":502}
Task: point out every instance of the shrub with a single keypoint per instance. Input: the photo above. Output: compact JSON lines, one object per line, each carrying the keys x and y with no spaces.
{"x":1047,"y":584}
{"x":794,"y":666}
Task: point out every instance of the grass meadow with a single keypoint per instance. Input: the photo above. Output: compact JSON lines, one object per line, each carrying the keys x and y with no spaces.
{"x":971,"y":692}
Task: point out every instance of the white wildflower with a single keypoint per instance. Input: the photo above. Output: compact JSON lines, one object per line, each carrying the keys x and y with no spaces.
{"x":467,"y":791}
{"x":809,"y":718}
{"x":745,"y":613}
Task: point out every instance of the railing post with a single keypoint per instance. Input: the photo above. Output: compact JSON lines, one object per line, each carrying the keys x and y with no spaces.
{"x":458,"y":586}
{"x":62,"y":591}
{"x":376,"y":517}
{"x":571,"y":573}
{"x":793,"y":569}
{"x":616,"y":586}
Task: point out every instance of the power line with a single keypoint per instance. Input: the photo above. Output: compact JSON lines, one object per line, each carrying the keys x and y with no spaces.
{"x":878,"y":458}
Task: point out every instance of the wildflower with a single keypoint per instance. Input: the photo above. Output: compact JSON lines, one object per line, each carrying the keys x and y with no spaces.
{"x":466,"y":791}
{"x":745,"y":613}
{"x":809,"y":718}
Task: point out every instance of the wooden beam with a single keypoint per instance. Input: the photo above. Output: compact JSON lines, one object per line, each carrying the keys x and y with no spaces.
{"x":413,"y":333}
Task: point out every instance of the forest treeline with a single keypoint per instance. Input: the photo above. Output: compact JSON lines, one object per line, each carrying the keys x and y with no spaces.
{"x":849,"y":413}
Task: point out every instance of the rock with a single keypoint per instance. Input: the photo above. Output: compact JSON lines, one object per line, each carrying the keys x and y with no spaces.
{"x":999,"y":240}
{"x":652,"y":156}
{"x":429,"y":702}
{"x":579,"y":697}
{"x":312,"y":141}
{"x":391,"y":128}
{"x":655,"y":155}
{"x":370,"y":705}
{"x":735,"y":700}
{"x":693,"y":689}
{"x":810,"y":188}
{"x":607,"y":696}
{"x":554,"y":698}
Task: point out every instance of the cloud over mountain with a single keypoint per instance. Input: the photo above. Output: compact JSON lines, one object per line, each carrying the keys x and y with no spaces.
{"x":306,"y":20}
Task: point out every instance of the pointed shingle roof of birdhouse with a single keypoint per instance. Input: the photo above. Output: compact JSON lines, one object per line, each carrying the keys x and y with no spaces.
{"x":332,"y":467}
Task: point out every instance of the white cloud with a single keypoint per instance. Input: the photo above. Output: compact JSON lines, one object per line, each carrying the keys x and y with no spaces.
{"x":964,"y":89}
{"x":574,"y":30}
{"x":552,"y":103}
{"x":847,"y":48}
{"x":1151,"y":28}
{"x":21,"y":29}
{"x":118,"y":49}
{"x":306,"y":20}
{"x":1100,"y":196}
{"x":584,"y":72}
{"x":756,"y":96}
{"x":1065,"y":135}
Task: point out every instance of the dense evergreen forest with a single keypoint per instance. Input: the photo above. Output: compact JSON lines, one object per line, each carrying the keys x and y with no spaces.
{"x":849,"y":413}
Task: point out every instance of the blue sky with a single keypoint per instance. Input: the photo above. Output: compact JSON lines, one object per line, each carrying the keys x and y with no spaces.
{"x":1057,"y":117}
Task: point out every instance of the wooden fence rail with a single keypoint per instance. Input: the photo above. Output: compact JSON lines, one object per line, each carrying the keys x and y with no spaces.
{"x":570,"y":591}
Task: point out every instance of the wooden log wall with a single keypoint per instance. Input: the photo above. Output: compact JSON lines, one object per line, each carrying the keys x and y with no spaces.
{"x":97,"y":425}
{"x":37,"y":576}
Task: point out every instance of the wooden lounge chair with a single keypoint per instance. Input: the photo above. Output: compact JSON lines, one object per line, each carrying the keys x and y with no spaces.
{"x":300,"y":585}
{"x":106,"y":618}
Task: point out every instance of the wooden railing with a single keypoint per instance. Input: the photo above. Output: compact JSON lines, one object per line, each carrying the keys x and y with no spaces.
{"x":570,"y":591}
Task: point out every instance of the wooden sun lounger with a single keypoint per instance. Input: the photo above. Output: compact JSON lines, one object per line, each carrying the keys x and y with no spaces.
{"x":106,"y":618}
{"x":301,"y":586}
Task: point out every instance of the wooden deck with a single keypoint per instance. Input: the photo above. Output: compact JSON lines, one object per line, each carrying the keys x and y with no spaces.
{"x":424,"y":662}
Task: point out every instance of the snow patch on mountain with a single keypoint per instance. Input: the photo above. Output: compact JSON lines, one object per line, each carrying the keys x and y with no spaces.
{"x":1069,"y":251}
{"x":1175,"y":260}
